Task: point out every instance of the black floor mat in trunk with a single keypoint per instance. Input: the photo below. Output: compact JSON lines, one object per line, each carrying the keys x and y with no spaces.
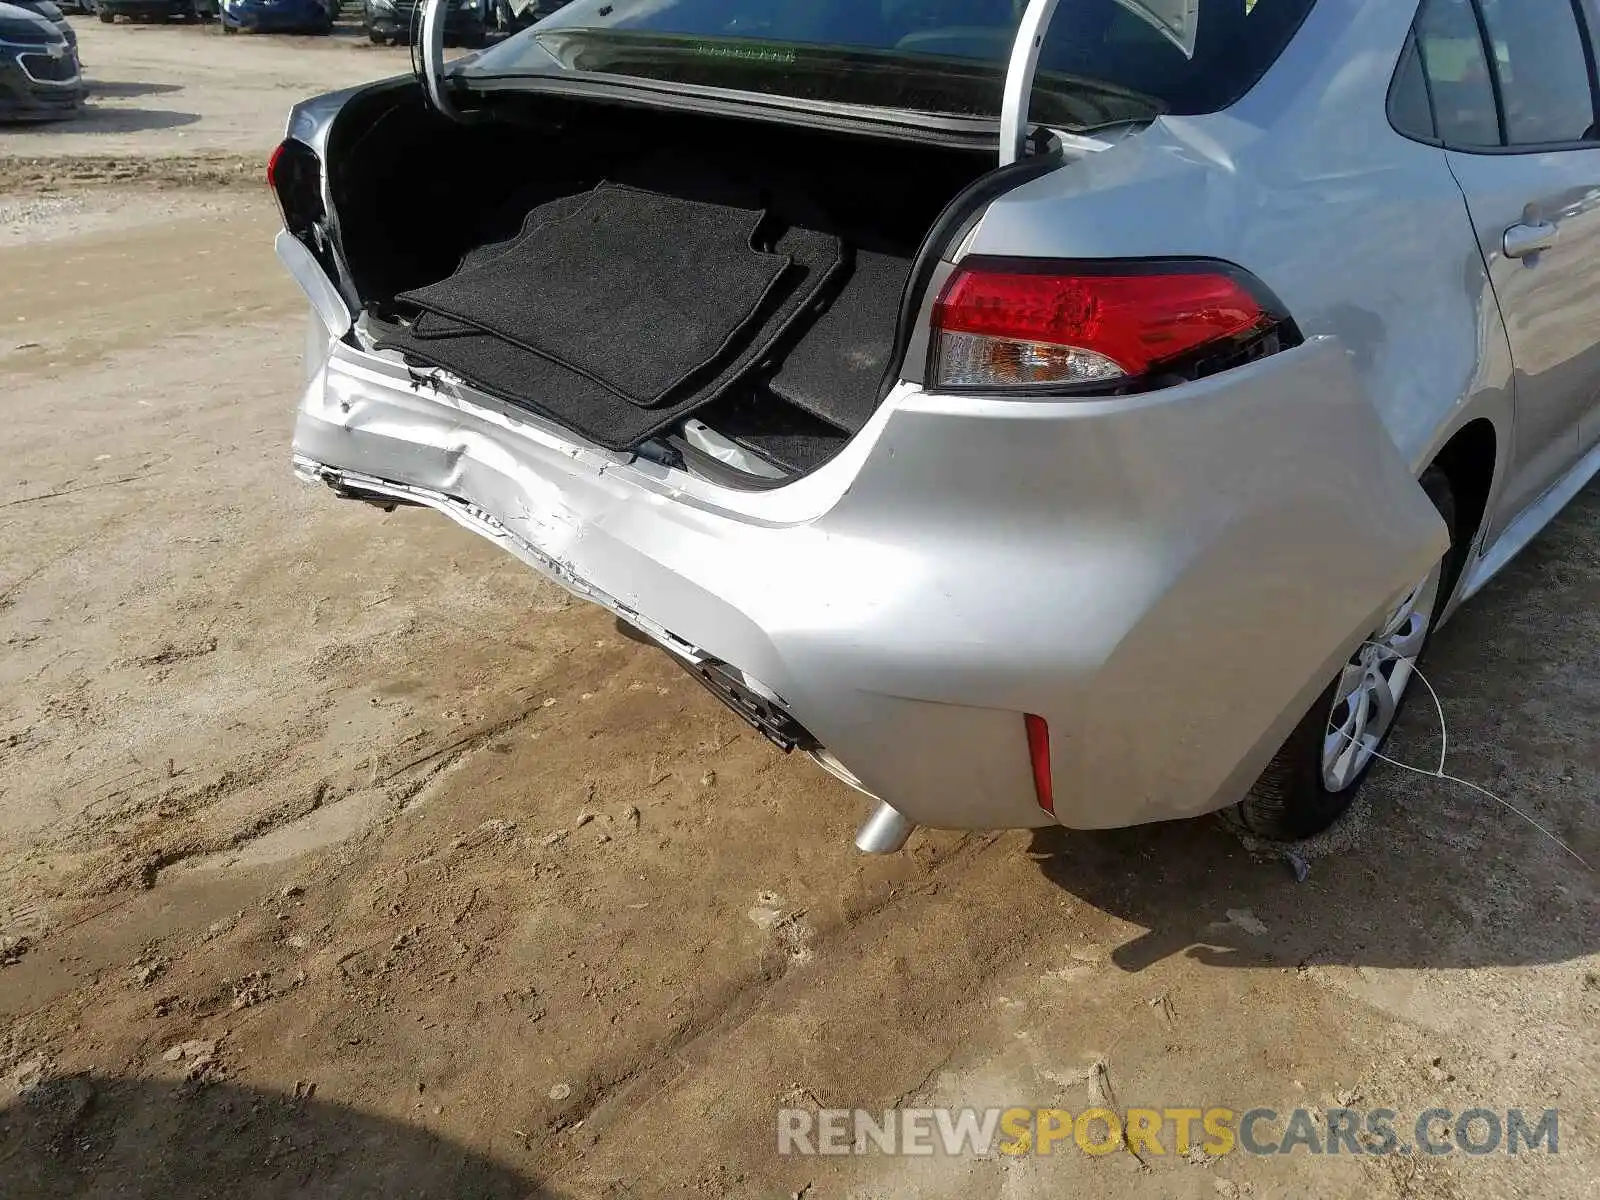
{"x":837,"y":370}
{"x":536,"y":381}
{"x":641,"y":293}
{"x":529,"y":218}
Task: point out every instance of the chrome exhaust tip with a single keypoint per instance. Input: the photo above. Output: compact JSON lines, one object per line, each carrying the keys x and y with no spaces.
{"x":884,"y":832}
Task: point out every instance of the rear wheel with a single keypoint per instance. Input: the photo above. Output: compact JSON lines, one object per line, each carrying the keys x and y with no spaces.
{"x":1315,"y":776}
{"x":106,"y":18}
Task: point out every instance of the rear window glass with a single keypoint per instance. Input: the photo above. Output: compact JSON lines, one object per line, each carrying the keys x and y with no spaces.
{"x":1179,"y":56}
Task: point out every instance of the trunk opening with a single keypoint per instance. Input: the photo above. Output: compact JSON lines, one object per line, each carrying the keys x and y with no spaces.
{"x":624,"y":269}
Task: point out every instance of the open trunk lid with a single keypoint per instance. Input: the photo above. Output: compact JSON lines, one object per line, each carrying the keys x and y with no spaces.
{"x":727,"y":281}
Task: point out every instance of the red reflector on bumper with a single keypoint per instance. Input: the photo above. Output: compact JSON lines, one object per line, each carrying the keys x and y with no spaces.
{"x":1039,"y":754}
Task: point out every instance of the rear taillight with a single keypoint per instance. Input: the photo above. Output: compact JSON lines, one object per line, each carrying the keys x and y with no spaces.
{"x":272,"y":165}
{"x":1020,"y":323}
{"x":294,"y":172}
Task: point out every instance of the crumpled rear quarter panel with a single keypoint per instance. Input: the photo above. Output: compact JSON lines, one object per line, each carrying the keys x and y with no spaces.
{"x":1167,"y":579}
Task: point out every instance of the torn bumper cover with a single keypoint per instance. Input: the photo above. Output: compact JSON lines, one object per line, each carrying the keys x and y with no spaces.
{"x":1168,"y":579}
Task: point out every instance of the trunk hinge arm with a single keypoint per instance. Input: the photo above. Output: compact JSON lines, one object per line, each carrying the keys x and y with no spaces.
{"x":1019,"y":79}
{"x":432,"y":45}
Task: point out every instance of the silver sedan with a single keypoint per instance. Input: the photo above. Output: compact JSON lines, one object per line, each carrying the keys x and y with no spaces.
{"x":1076,"y":412}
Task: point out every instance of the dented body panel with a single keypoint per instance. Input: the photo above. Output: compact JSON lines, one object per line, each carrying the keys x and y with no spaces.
{"x":1167,"y":578}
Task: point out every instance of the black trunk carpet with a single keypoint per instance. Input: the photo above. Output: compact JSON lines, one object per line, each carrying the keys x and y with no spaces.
{"x":516,"y":374}
{"x":645,"y":295}
{"x":531,"y":217}
{"x":785,"y":435}
{"x":836,"y":371}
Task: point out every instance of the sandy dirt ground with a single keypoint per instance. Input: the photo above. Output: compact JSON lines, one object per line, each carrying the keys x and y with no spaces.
{"x":185,"y":105}
{"x":342,"y":856}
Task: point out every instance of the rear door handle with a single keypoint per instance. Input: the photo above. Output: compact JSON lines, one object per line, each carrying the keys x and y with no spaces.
{"x":1524,"y":238}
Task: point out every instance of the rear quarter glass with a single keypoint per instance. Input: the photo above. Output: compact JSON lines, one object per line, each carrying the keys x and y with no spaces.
{"x":1201,"y":60}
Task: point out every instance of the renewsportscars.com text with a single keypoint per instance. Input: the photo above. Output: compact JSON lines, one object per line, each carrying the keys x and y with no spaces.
{"x":1152,"y":1131}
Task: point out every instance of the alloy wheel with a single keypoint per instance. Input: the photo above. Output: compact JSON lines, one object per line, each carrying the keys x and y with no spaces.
{"x":1371,"y":685}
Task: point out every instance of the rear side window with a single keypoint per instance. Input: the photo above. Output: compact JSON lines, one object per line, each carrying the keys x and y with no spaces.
{"x":1497,"y":74}
{"x":1409,"y":106}
{"x":1457,"y":71}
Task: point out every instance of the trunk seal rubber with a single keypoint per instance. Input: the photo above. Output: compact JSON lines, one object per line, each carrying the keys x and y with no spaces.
{"x":948,"y":228}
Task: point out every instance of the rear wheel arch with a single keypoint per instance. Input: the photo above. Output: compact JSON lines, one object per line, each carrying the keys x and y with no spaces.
{"x":1295,"y":800}
{"x":1469,"y":460}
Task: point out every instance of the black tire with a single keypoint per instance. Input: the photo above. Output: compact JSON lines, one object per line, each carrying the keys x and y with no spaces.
{"x":107,"y":18}
{"x":376,"y":38}
{"x":1291,"y":802}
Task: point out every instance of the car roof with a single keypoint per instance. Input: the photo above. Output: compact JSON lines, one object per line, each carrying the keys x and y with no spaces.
{"x":16,"y":13}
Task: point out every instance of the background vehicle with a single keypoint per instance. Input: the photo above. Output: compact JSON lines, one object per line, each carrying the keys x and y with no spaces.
{"x":147,"y":10}
{"x":51,"y":12}
{"x":40,"y":78}
{"x":1131,"y":414}
{"x":279,"y":16}
{"x":467,"y":22}
{"x":512,"y":16}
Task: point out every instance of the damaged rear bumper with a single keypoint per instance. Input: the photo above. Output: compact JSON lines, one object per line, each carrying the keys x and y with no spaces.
{"x":1167,"y":579}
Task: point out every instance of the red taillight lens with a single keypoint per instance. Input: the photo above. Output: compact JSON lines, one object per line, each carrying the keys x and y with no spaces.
{"x":1000,"y":323}
{"x":294,"y":173}
{"x":1039,"y":755}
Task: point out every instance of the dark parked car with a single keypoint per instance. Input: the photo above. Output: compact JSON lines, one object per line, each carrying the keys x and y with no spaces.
{"x":148,"y":10}
{"x":279,"y":16}
{"x":511,"y":16}
{"x":51,"y":12}
{"x":466,"y":22}
{"x":39,"y":74}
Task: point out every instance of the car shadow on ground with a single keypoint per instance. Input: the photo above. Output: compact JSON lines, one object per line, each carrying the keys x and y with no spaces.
{"x":96,"y":119}
{"x":1437,"y":875}
{"x":121,"y":90}
{"x":88,"y":1137}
